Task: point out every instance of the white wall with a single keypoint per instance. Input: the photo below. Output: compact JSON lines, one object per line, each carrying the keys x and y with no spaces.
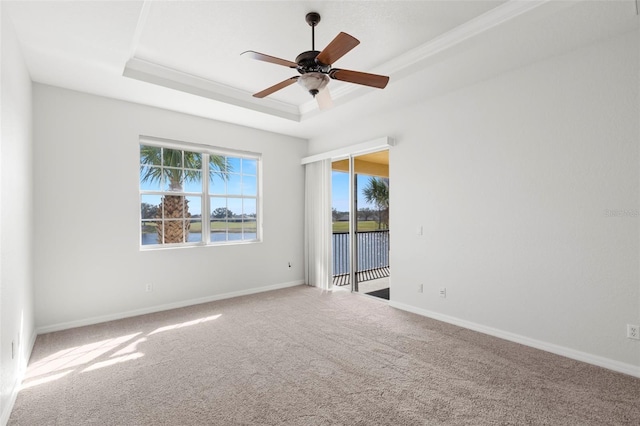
{"x":16,"y":289}
{"x":88,"y":263}
{"x":512,"y":178}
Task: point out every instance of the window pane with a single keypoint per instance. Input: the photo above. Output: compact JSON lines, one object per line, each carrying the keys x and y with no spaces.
{"x":150,"y":155}
{"x":249,"y":207}
{"x":192,"y":160}
{"x":194,"y":207}
{"x":218,"y":163}
{"x":174,"y":179}
{"x":233,"y":165}
{"x":218,"y":208}
{"x":249,"y":185}
{"x":195,"y":231}
{"x":234,"y":184}
{"x":249,"y":167}
{"x":249,"y":229}
{"x":174,"y":206}
{"x":218,"y":230}
{"x":149,"y":206}
{"x":149,"y":232}
{"x":234,"y":225}
{"x":171,"y":157}
{"x":174,"y":231}
{"x":235,"y":236}
{"x":218,"y":184}
{"x":150,"y":178}
{"x":193,"y":181}
{"x":235,"y":207}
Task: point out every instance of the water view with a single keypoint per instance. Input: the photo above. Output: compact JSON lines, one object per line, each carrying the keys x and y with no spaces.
{"x":195,"y":237}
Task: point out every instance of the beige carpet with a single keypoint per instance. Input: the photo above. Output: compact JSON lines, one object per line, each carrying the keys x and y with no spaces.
{"x":302,"y":357}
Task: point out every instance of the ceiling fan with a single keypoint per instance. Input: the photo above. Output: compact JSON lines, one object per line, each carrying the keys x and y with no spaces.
{"x":315,"y":67}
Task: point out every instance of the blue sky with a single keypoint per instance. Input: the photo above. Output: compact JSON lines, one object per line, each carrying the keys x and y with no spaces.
{"x":340,"y":191}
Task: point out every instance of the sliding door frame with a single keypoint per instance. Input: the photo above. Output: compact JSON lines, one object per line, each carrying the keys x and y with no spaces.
{"x":350,"y":152}
{"x":353,"y":225}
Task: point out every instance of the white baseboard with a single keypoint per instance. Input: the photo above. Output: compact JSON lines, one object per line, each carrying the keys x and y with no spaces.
{"x":22,"y":369}
{"x":607,"y":363}
{"x":159,"y":308}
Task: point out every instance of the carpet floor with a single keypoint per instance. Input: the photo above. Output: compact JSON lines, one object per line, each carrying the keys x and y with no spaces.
{"x":299,"y":356}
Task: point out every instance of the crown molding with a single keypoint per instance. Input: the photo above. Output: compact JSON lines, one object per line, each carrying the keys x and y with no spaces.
{"x":150,"y":72}
{"x":457,"y":35}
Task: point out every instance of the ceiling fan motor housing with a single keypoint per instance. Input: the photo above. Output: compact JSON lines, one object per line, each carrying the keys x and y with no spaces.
{"x":307,"y":63}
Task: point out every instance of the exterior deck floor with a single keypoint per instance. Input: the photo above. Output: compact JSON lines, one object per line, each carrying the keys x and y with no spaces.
{"x":368,"y":281}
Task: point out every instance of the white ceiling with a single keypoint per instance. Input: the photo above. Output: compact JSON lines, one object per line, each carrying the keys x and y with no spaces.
{"x":185,"y":55}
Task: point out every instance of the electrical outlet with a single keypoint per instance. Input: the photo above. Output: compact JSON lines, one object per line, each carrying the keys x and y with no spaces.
{"x":149,"y":287}
{"x":420,"y":288}
{"x":633,"y":331}
{"x":443,"y":292}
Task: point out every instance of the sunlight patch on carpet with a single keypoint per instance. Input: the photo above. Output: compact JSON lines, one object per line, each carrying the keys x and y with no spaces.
{"x":184,"y":324}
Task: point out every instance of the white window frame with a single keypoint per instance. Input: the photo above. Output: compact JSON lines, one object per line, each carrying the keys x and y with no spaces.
{"x":206,"y":151}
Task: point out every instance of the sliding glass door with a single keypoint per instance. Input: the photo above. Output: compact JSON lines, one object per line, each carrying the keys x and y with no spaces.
{"x":360,"y":192}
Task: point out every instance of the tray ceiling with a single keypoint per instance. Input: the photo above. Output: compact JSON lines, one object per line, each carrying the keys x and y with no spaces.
{"x":185,"y":55}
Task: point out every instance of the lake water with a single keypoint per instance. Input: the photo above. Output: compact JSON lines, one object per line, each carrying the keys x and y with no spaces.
{"x":152,"y":238}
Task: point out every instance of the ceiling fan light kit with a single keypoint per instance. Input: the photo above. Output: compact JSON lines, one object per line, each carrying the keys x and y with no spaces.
{"x":315,"y":66}
{"x":313,"y":82}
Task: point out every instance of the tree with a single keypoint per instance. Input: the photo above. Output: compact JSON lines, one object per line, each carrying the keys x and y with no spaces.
{"x":177,"y":168}
{"x":377,"y":192}
{"x":148,"y":210}
{"x":221,"y":213}
{"x":366,"y":214}
{"x":335,"y":214}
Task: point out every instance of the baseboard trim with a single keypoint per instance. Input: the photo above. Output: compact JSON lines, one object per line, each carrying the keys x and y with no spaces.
{"x":160,"y":308}
{"x":599,"y":361}
{"x":22,"y":370}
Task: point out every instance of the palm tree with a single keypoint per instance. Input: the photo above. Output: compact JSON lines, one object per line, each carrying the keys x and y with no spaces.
{"x":377,"y":192}
{"x":177,"y":168}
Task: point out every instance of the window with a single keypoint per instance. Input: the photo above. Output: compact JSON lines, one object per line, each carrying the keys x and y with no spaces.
{"x":194,"y":195}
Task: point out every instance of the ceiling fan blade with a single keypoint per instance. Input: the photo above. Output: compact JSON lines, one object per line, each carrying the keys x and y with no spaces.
{"x":324,"y":99}
{"x":276,"y":87}
{"x":271,"y":59}
{"x":338,"y":47}
{"x":357,"y":77}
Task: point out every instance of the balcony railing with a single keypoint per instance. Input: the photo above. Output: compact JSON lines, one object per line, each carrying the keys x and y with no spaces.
{"x":373,"y":256}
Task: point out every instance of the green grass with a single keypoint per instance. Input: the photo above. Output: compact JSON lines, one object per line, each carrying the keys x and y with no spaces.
{"x":363,"y":226}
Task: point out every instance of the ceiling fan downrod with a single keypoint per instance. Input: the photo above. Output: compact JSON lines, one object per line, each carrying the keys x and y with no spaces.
{"x":313,"y":18}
